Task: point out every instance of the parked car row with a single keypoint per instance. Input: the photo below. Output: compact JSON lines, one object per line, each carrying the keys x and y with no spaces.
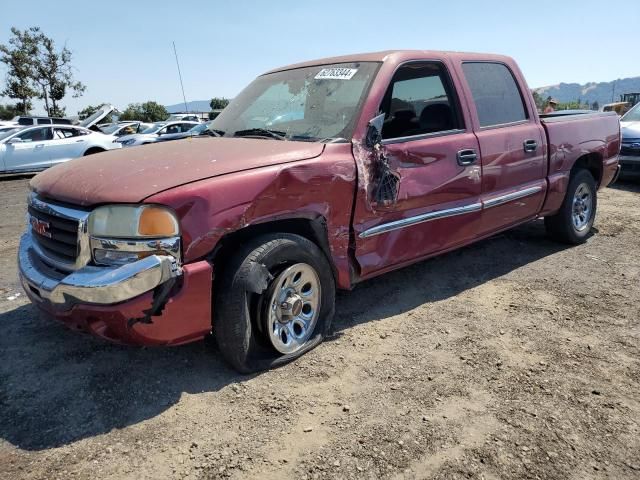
{"x":40,"y":146}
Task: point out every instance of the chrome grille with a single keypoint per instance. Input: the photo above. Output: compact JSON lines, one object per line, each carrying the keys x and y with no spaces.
{"x":60,"y":238}
{"x":59,"y":234}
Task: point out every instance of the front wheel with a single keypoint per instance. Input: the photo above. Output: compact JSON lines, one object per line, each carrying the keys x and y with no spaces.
{"x":575,"y":218}
{"x":274,"y":302}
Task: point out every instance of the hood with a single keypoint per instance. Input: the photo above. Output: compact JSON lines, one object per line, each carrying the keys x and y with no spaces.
{"x":98,"y":115}
{"x":630,"y":130}
{"x":130,"y":175}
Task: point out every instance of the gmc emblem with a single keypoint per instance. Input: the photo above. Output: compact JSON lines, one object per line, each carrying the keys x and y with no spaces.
{"x":40,"y":227}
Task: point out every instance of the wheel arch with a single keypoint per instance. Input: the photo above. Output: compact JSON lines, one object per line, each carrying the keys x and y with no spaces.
{"x":94,"y":149}
{"x":313,"y":228}
{"x":593,"y":162}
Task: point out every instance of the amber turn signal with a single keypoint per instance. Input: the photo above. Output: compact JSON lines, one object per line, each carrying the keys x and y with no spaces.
{"x":156,"y":222}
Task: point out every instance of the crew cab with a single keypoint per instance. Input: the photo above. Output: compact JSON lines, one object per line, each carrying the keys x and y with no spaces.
{"x":321,"y":175}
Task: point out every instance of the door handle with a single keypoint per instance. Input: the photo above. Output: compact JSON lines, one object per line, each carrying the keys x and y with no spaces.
{"x":40,"y":145}
{"x":530,"y":145}
{"x":467,"y":157}
{"x":79,"y":141}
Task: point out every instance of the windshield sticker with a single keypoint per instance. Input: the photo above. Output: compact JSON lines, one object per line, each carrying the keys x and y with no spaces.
{"x":336,"y":73}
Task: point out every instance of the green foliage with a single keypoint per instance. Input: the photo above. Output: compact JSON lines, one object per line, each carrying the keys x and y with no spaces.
{"x":7,"y":112}
{"x":218,"y":103}
{"x":540,"y":102}
{"x":54,"y":75}
{"x":575,"y":105}
{"x":37,"y":69}
{"x":145,"y":112}
{"x":18,"y":55}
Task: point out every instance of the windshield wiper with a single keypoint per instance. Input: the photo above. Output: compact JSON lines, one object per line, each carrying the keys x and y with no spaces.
{"x":261,"y":132}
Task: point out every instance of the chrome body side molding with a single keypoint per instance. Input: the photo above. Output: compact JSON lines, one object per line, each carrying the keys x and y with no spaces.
{"x":425,"y":217}
{"x":494,"y":202}
{"x":449,"y":212}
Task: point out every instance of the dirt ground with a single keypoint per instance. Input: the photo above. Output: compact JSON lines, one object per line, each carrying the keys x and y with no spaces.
{"x":513,"y":358}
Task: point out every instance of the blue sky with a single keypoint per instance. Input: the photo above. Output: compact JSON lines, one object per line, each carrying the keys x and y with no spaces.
{"x":123,"y":53}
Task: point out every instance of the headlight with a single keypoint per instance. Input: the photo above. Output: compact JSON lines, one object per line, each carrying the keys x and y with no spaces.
{"x":122,"y":234}
{"x":133,"y":221}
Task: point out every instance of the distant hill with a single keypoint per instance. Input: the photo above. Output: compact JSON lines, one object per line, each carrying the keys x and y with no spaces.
{"x":591,"y":92}
{"x":194,"y":106}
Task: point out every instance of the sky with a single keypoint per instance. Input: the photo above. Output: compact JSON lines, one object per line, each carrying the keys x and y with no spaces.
{"x":122,"y":51}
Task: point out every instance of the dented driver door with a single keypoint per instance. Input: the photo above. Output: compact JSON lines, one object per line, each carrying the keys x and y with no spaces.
{"x":436,"y":160}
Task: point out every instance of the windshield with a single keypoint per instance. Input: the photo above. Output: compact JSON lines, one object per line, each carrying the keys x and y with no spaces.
{"x":310,"y":103}
{"x":108,"y":129}
{"x":7,"y":133}
{"x":154,"y":127}
{"x":198,"y":129}
{"x":632,"y":115}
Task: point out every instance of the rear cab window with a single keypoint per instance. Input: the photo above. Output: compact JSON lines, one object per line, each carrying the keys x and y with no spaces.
{"x":420,"y":100}
{"x":495,"y":92}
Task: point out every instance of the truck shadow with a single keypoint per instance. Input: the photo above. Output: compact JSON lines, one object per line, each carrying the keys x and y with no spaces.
{"x":58,"y":387}
{"x":627,"y":185}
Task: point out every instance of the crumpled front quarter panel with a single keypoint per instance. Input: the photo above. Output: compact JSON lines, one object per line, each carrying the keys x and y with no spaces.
{"x":320,"y":187}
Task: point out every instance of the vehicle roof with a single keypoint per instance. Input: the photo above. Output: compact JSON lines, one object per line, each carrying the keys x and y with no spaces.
{"x":395,"y":56}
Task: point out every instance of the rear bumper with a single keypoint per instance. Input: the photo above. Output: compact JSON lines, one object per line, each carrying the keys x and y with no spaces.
{"x":112,"y":302}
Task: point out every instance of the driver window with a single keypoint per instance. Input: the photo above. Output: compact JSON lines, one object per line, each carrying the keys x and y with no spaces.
{"x":36,"y":135}
{"x":419,"y":101}
{"x":173,"y":129}
{"x":62,"y":133}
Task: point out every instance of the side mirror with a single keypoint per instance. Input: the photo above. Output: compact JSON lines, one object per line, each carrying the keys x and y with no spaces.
{"x":374,"y":131}
{"x":15,"y":140}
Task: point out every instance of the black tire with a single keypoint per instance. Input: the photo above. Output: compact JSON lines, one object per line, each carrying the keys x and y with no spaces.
{"x":561,"y":226}
{"x":241,"y":292}
{"x":91,"y":151}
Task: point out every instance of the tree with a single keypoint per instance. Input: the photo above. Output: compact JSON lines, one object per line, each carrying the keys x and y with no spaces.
{"x":19,"y":56}
{"x":7,"y":112}
{"x":218,"y":103}
{"x":145,"y":112}
{"x":54,"y":74}
{"x":540,"y":102}
{"x":595,"y":105}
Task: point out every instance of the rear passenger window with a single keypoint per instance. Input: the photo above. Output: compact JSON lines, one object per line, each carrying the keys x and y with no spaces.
{"x":495,"y":92}
{"x":419,"y":101}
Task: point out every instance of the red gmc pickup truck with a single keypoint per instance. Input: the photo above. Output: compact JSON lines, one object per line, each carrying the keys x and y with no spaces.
{"x":317,"y":176}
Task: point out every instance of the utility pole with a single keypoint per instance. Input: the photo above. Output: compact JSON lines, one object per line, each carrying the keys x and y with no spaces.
{"x":184,"y":99}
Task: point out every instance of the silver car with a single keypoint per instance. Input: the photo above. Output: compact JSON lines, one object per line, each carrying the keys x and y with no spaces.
{"x":157,"y":132}
{"x":630,"y":151}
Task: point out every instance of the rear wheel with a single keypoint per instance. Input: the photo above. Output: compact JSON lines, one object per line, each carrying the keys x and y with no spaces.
{"x":575,"y":218}
{"x":274,"y":302}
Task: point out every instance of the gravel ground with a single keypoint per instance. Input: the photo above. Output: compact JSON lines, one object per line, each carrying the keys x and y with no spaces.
{"x":513,"y":358}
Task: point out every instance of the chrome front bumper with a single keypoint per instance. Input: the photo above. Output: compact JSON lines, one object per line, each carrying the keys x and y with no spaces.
{"x":90,"y":284}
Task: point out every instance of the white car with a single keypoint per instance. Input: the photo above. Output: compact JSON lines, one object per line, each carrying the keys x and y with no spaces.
{"x":184,"y":117}
{"x":36,"y":148}
{"x":157,"y":132}
{"x":121,"y":129}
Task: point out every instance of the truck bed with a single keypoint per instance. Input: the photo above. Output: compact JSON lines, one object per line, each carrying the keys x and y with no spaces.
{"x":574,"y":135}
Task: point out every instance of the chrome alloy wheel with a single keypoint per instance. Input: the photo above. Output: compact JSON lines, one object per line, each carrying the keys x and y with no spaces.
{"x":294,"y":307}
{"x":582,"y":207}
